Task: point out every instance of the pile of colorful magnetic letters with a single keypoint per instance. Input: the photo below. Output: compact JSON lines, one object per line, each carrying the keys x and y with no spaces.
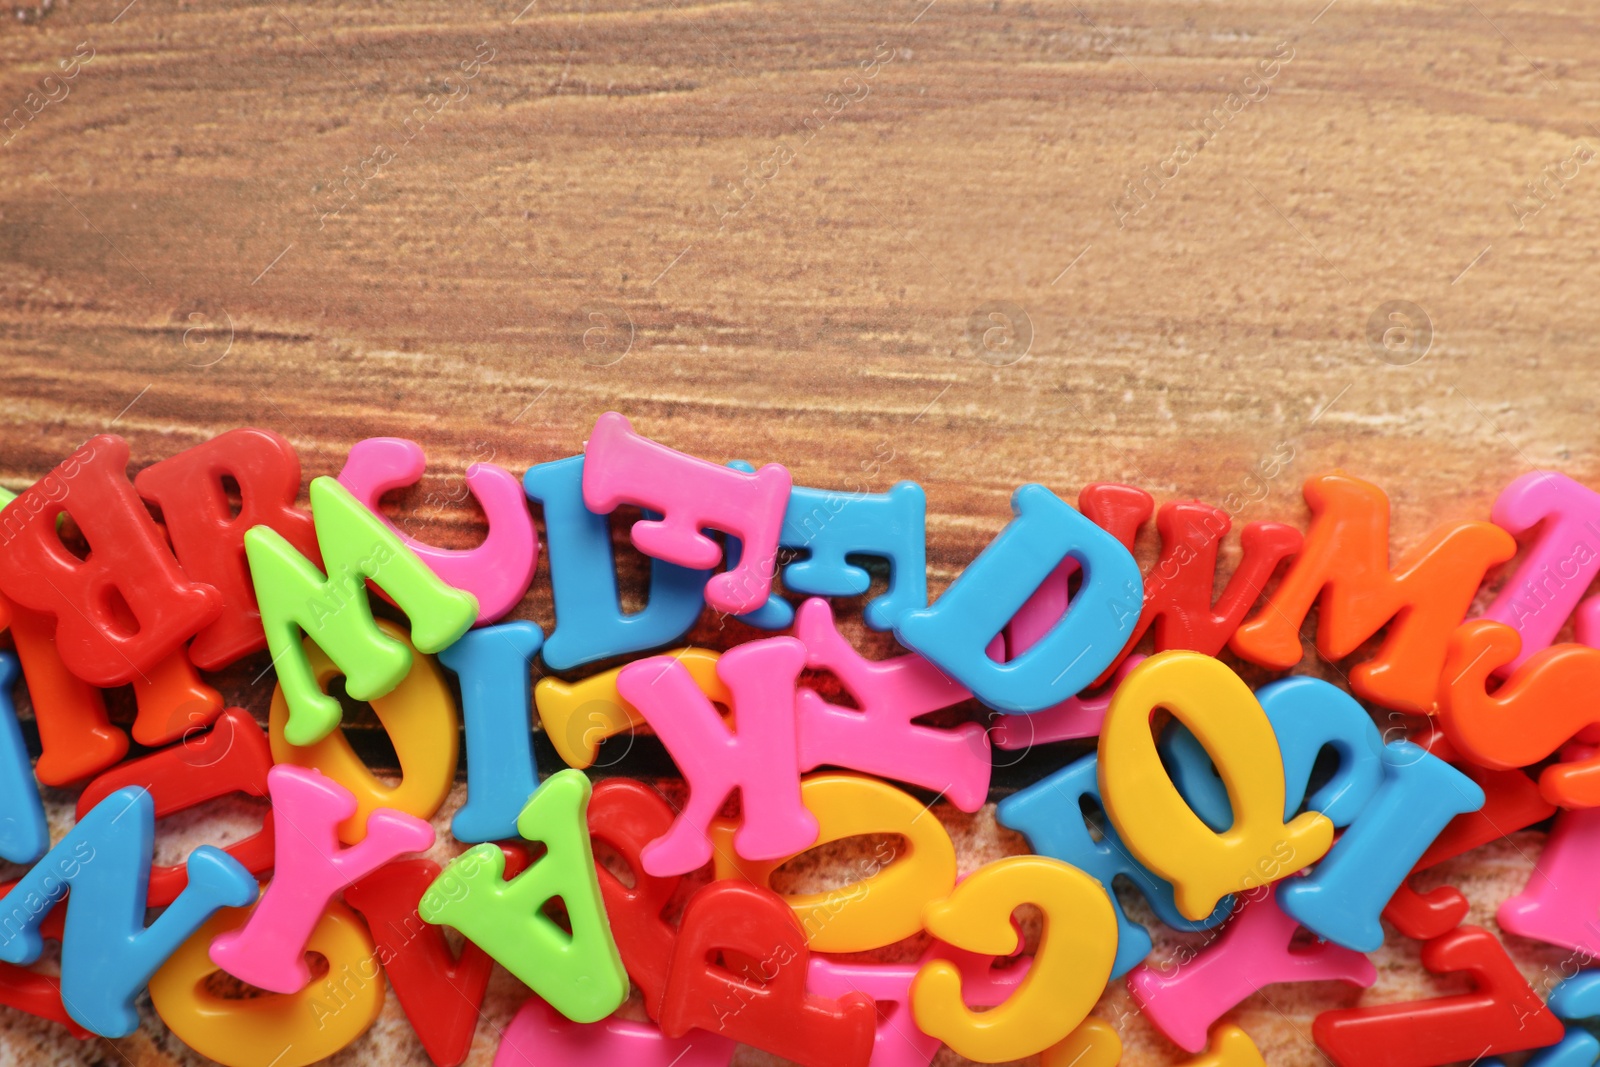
{"x":1288,"y":819}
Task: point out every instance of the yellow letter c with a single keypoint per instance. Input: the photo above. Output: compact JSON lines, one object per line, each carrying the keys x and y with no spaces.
{"x":1066,"y":978}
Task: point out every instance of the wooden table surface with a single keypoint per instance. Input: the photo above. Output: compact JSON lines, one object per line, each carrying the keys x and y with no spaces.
{"x":967,"y":243}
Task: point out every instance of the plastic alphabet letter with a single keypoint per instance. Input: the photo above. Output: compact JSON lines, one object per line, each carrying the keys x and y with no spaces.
{"x":1558,"y":567}
{"x":125,"y":607}
{"x":1501,"y":1014}
{"x":885,"y":904}
{"x":892,"y":526}
{"x":497,"y":572}
{"x":232,"y":757}
{"x":1544,"y":702}
{"x":955,"y":632}
{"x":107,"y":953}
{"x":280,"y":1030}
{"x":1119,"y":510}
{"x":881,"y":738}
{"x":1151,"y":816}
{"x":831,"y":525}
{"x":1177,"y":591}
{"x":759,"y":759}
{"x":333,"y":610}
{"x":621,"y":467}
{"x":1255,"y":949}
{"x":580,"y":973}
{"x":1344,"y":568}
{"x":493,"y":664}
{"x":208,"y":538}
{"x":1068,"y":973}
{"x":24,"y":836}
{"x":590,"y":623}
{"x":1049,"y":813}
{"x":309,"y":869}
{"x":770,"y":1008}
{"x":1178,"y":586}
{"x":1342,"y":899}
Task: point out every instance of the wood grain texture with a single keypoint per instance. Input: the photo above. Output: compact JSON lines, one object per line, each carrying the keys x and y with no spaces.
{"x":764,"y":231}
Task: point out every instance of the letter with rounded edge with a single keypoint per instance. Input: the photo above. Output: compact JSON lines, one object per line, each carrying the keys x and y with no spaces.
{"x":420,"y":718}
{"x":1501,"y":1013}
{"x":1564,"y":513}
{"x":129,"y":564}
{"x":208,"y":537}
{"x":1151,"y":816}
{"x":298,"y":600}
{"x":621,"y":467}
{"x":882,"y":907}
{"x":764,"y":1003}
{"x":1068,"y":973}
{"x":107,"y":952}
{"x":1545,"y":702}
{"x":603,"y":711}
{"x":758,"y":759}
{"x":493,"y":664}
{"x":828,"y":526}
{"x":1050,"y":814}
{"x":1342,"y":899}
{"x":497,"y":572}
{"x":590,"y":622}
{"x":281,"y":1030}
{"x":1343,"y":567}
{"x":579,"y":973}
{"x":880,"y":734}
{"x":955,"y":632}
{"x":309,"y":868}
